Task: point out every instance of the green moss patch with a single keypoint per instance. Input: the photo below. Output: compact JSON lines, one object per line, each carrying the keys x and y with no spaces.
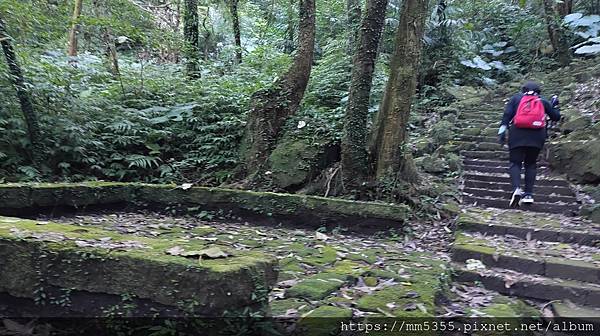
{"x":100,"y":261}
{"x":298,"y":209}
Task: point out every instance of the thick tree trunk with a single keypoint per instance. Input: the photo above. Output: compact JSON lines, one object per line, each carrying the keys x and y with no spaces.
{"x":271,"y":108}
{"x":564,"y":8}
{"x":233,"y":9}
{"x":353,"y":9}
{"x":557,"y":35}
{"x":355,"y":166}
{"x":191,"y":35}
{"x":390,"y":129}
{"x":75,"y":28}
{"x":23,"y":95}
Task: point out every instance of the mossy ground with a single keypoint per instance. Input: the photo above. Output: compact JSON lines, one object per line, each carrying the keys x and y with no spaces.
{"x":348,"y":273}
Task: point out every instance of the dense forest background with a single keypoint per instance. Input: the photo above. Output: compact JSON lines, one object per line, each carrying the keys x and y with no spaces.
{"x":212,"y":91}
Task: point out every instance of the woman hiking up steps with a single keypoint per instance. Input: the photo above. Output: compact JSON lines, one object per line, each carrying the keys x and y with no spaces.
{"x":525,"y":119}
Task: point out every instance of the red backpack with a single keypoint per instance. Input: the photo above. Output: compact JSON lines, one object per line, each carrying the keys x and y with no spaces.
{"x":531,"y":113}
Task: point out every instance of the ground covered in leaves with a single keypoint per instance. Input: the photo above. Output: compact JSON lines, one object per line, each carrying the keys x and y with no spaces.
{"x":329,"y":274}
{"x":321,"y":274}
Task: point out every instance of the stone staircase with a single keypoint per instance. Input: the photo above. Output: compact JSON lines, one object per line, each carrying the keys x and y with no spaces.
{"x":543,"y":251}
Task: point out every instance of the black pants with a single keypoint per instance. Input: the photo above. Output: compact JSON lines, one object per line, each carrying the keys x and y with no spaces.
{"x":518,"y":157}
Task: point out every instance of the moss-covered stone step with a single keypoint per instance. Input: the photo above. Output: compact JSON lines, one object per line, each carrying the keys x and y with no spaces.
{"x":485,"y":146}
{"x":322,"y":284}
{"x":301,"y":210}
{"x":504,"y":185}
{"x":535,"y":287}
{"x":476,"y":138}
{"x":39,"y":260}
{"x":568,"y":311}
{"x":568,"y":209}
{"x":481,"y":154}
{"x":525,"y":225}
{"x":546,"y":260}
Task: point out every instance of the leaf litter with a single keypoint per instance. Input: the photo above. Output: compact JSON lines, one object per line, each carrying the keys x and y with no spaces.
{"x":310,"y":252}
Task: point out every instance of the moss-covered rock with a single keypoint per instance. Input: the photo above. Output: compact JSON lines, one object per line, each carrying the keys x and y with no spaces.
{"x":592,"y":212}
{"x":318,"y":286}
{"x":577,"y":159}
{"x":36,"y":255}
{"x":576,"y":124}
{"x":300,"y":210}
{"x":432,"y":164}
{"x":442,"y":132}
{"x":323,"y":321}
{"x":294,"y":162}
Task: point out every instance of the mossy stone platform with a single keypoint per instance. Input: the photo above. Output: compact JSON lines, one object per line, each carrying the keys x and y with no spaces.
{"x":88,"y":271}
{"x":301,"y":210}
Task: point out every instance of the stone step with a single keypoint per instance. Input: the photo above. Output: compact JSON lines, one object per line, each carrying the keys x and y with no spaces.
{"x":504,"y":178}
{"x":501,"y":203}
{"x":475,"y":124}
{"x":506,"y":186}
{"x":477,"y":138}
{"x":503,"y":169}
{"x":496,"y":163}
{"x":539,"y":197}
{"x":527,"y":225}
{"x":534,"y":287}
{"x":484,"y":146}
{"x":584,"y":315}
{"x":548,"y":259}
{"x":473,"y":154}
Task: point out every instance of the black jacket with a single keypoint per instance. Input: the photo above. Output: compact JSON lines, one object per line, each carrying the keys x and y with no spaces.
{"x":526,"y":137}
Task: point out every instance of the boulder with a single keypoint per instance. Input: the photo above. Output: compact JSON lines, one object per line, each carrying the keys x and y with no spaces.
{"x":441,"y":133}
{"x":577,"y":159}
{"x":295,"y":162}
{"x":432,"y":164}
{"x":575,"y":124}
{"x":592,"y":212}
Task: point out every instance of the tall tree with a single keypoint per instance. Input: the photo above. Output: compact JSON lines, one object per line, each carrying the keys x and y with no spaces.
{"x":390,"y":129}
{"x":23,"y":95}
{"x":75,"y":28}
{"x":191,"y":36}
{"x":271,"y":107}
{"x":564,"y":8}
{"x":557,"y":34}
{"x":353,"y":9}
{"x":355,"y":165}
{"x":235,"y":17}
{"x":107,"y":38}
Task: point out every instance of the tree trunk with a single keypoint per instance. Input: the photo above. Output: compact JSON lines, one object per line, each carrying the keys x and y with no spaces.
{"x":565,"y":8}
{"x":109,"y":41}
{"x":353,"y":9}
{"x":191,"y":36}
{"x":271,"y":107}
{"x":75,"y":28}
{"x":355,"y":166}
{"x":390,"y":129}
{"x":557,"y":35}
{"x":233,"y":8}
{"x":23,"y":95}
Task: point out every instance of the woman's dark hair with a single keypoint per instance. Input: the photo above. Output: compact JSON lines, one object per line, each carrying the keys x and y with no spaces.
{"x":531,"y":86}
